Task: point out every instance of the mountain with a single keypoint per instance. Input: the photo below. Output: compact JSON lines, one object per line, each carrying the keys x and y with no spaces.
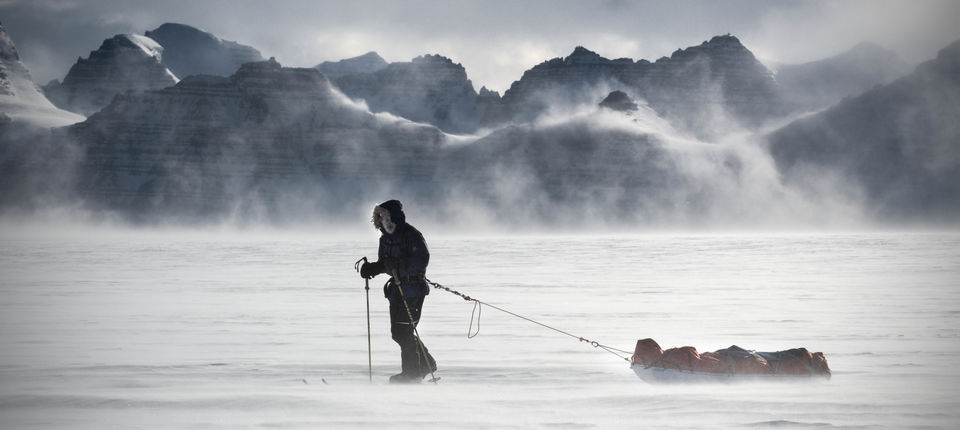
{"x":272,"y":143}
{"x":581,"y":68}
{"x":704,"y":87}
{"x":618,"y":101}
{"x":128,"y":62}
{"x":268,"y":141}
{"x":277,"y":144}
{"x":191,"y":51}
{"x":35,"y":169}
{"x":819,"y":84}
{"x":577,"y":79}
{"x":20,"y":99}
{"x":430,"y":89}
{"x":366,"y":63}
{"x":897,"y":145}
{"x":697,"y":87}
{"x":123,"y":63}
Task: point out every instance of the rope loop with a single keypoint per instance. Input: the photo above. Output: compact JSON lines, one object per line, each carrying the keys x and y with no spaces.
{"x":478,"y":308}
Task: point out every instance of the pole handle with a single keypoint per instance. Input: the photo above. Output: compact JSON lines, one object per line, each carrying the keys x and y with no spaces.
{"x":356,"y":266}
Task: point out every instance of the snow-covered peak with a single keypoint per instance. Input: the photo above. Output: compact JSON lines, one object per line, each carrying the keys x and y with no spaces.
{"x":146,"y":44}
{"x":20,"y":100}
{"x":123,"y":62}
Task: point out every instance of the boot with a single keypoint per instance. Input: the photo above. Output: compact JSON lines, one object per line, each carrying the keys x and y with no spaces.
{"x":403,"y":378}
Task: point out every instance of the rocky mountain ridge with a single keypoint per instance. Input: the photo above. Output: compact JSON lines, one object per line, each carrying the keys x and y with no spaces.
{"x":618,"y":101}
{"x":191,"y":51}
{"x":366,"y":63}
{"x":430,"y":89}
{"x":687,"y":87}
{"x":714,"y":87}
{"x":125,"y":62}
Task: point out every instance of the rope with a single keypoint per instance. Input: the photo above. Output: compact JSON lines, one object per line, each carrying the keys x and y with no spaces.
{"x":478,"y":307}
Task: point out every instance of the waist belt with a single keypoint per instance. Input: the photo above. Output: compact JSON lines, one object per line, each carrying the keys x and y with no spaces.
{"x":409,"y":278}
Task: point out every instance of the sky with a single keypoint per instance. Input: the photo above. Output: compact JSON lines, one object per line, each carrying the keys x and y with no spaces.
{"x":495,"y":40}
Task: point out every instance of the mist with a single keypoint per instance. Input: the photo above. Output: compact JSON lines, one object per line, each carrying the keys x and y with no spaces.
{"x":575,"y":169}
{"x":318,"y":157}
{"x":713,"y":145}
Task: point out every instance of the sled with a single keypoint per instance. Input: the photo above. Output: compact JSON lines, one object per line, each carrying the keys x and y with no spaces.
{"x":733,"y":364}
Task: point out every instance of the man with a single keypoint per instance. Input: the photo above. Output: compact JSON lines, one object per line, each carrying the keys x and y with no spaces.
{"x":403,"y":255}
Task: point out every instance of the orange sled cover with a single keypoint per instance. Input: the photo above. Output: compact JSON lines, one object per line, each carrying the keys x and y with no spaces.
{"x":730,"y":361}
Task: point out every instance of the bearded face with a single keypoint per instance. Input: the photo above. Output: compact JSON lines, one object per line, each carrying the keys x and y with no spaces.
{"x":381,"y":220}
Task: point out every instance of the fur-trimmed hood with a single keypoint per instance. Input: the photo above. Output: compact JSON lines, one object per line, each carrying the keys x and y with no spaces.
{"x":387,"y":216}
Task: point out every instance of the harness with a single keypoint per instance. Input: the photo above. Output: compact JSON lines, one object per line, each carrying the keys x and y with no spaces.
{"x":409,"y":278}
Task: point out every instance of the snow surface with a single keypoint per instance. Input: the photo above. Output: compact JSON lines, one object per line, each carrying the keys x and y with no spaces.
{"x":232,"y":331}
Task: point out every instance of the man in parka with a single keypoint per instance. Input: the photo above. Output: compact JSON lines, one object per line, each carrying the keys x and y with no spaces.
{"x":403,"y":255}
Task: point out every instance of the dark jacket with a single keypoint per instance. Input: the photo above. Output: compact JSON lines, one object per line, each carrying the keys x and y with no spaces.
{"x":404,"y":255}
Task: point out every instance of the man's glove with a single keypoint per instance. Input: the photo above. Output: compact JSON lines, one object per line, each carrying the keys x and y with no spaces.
{"x":369,"y":270}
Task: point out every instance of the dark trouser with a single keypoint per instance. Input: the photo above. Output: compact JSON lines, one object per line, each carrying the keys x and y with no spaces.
{"x":412,"y":363}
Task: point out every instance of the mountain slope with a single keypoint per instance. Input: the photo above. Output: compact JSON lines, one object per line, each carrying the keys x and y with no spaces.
{"x":268,"y":141}
{"x":20,"y":99}
{"x":430,"y":88}
{"x":898,"y":144}
{"x":191,"y":51}
{"x":819,"y":84}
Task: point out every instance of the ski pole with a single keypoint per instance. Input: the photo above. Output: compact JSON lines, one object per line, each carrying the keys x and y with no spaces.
{"x":423,"y":349}
{"x":366,"y":286}
{"x":369,"y":354}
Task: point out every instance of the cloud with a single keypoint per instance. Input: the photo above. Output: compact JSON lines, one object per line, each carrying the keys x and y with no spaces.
{"x":48,"y":5}
{"x":805,"y":31}
{"x":495,"y":40}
